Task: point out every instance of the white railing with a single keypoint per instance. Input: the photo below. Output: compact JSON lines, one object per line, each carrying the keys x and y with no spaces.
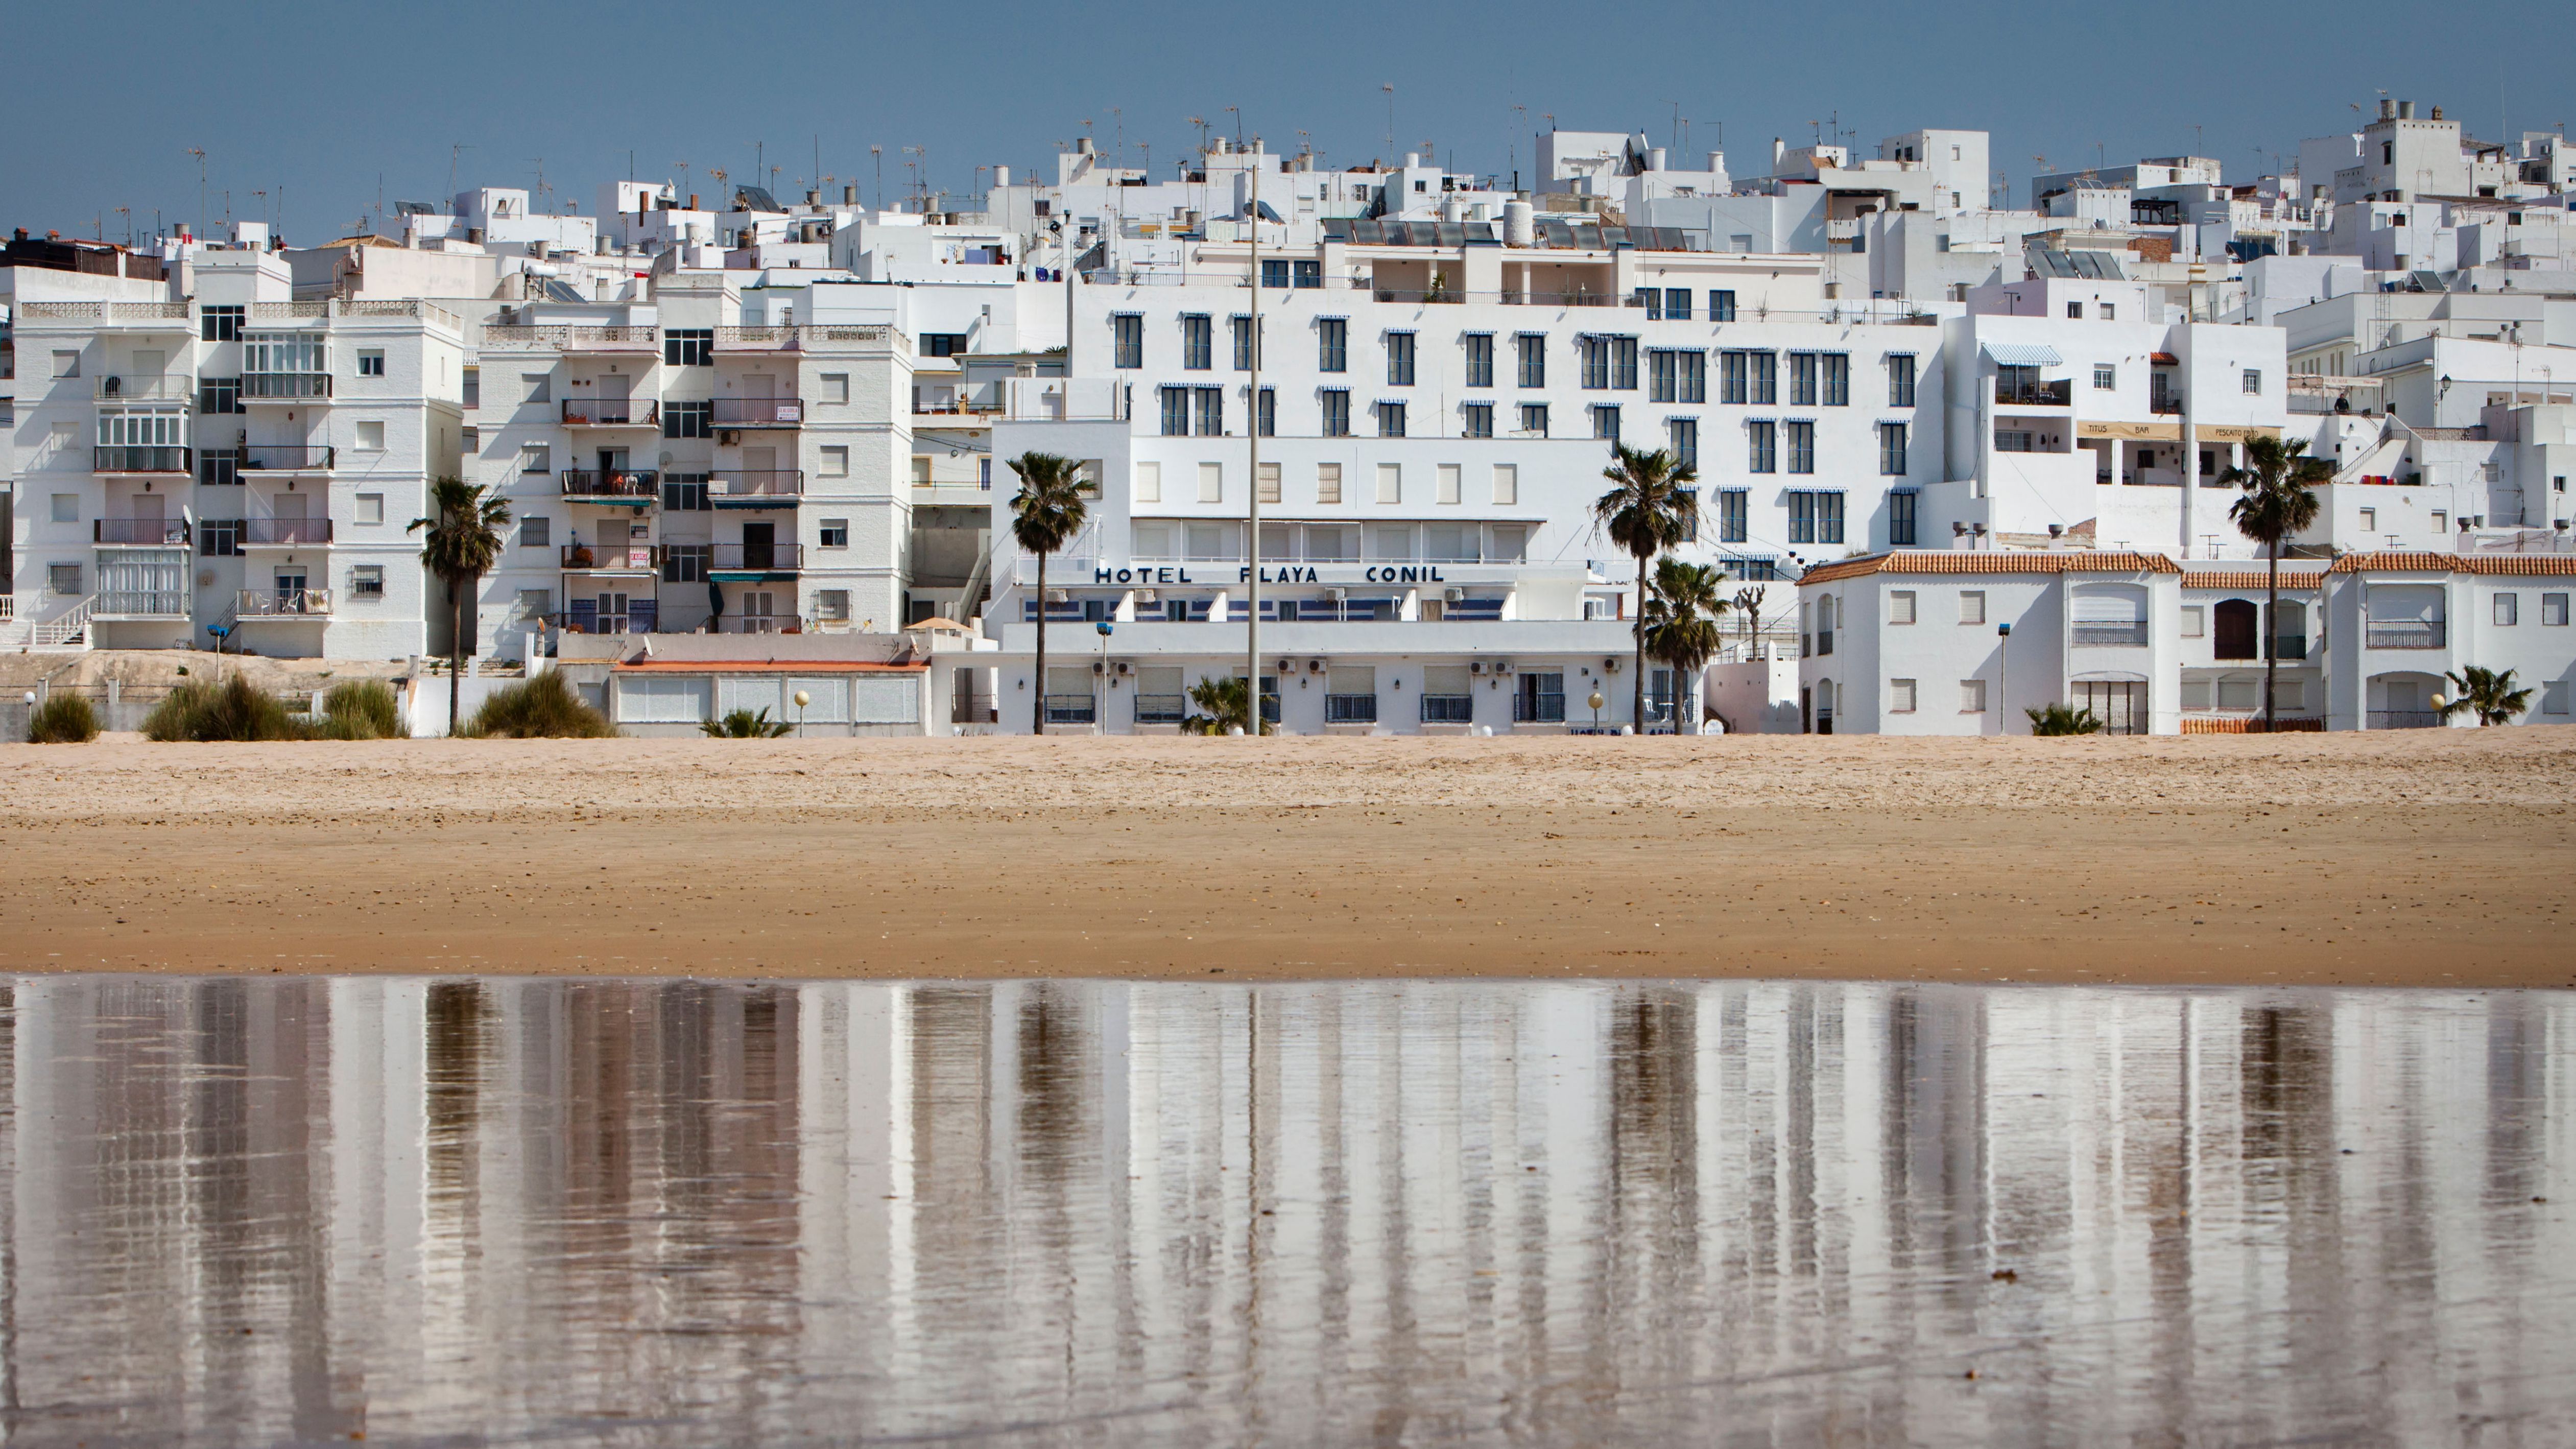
{"x":283,"y":603}
{"x":69,"y":627}
{"x":1056,"y":399}
{"x":8,"y":608}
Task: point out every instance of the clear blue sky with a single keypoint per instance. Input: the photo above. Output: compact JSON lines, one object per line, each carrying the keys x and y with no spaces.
{"x":325,"y":103}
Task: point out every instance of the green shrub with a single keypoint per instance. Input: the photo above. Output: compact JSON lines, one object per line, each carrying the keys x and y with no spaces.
{"x":543,"y":708}
{"x":362,"y":709}
{"x":63,"y":719}
{"x":232,"y":710}
{"x":742,"y":724}
{"x":2058,"y":719}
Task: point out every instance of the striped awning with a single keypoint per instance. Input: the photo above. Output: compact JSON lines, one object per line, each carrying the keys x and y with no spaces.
{"x":2020,"y":354}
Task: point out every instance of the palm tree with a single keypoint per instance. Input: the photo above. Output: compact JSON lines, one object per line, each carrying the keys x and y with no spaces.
{"x":463,"y":542}
{"x":1681,"y":623}
{"x":2489,"y":694}
{"x":2277,"y":480}
{"x":1044,"y":518}
{"x":1649,"y":508}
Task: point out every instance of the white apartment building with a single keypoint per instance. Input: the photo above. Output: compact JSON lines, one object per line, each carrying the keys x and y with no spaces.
{"x":221,"y":464}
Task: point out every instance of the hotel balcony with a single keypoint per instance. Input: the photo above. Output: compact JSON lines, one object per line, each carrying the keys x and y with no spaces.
{"x":139,"y":532}
{"x":753,"y":562}
{"x":604,"y":558}
{"x":759,"y":412}
{"x":604,"y":341}
{"x":2405,"y":634}
{"x":285,"y":604}
{"x":285,"y":532}
{"x":144,"y":389}
{"x":630,"y":486}
{"x":770,"y":488}
{"x":137,"y":458}
{"x":611,"y":413}
{"x":285,"y":458}
{"x":2058,"y":394}
{"x":285,"y":387}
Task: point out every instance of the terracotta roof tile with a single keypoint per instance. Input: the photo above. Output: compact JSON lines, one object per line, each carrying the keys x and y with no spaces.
{"x":2509,"y":565}
{"x":1989,"y":561}
{"x":2240,"y":579}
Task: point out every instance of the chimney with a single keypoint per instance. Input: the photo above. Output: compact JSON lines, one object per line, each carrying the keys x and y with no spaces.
{"x":849,"y":196}
{"x":2405,"y":110}
{"x":2387,"y":109}
{"x":2437,"y":113}
{"x":1001,"y":176}
{"x":1779,"y":150}
{"x":693,"y":201}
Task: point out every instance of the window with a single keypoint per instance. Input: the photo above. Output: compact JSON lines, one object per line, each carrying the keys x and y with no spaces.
{"x":686,"y":563}
{"x":689,"y":419}
{"x":1534,"y":419}
{"x":1685,"y":441}
{"x":1390,"y":485}
{"x":67,"y":364}
{"x":1399,"y":359}
{"x":1900,"y":518}
{"x":1478,"y":418}
{"x":1337,"y":413}
{"x":2553,"y":611}
{"x":63,"y":579}
{"x":1610,"y":363}
{"x":1211,"y":482}
{"x":219,"y":537}
{"x":1328,"y":483}
{"x":1677,"y":304}
{"x":1762,"y":447}
{"x":2508,"y":610}
{"x":2441,"y":520}
{"x":1507,"y":492}
{"x":371,"y":508}
{"x":833,"y":533}
{"x":2105,"y":377}
{"x":1308,"y":273}
{"x":1242,"y":331}
{"x":2075,"y":310}
{"x":2553,"y":697}
{"x":832,"y":606}
{"x":2105,"y":311}
{"x":2195,"y":621}
{"x":1446,"y":484}
{"x":371,"y":437}
{"x":1209,"y":409}
{"x":1802,"y":379}
{"x":1332,"y":345}
{"x":836,"y":461}
{"x":1972,"y":606}
{"x":1532,"y":350}
{"x":685,"y":493}
{"x":1267,"y":416}
{"x":66,"y":508}
{"x":836,"y":387}
{"x":1900,"y":696}
{"x":688,"y":346}
{"x":1891,"y":450}
{"x":1764,"y":380}
{"x":539,"y":386}
{"x":1900,"y":606}
{"x":1802,"y":447}
{"x":1900,"y":380}
{"x":1269,"y":481}
{"x":220,"y":395}
{"x":1480,"y":359}
{"x":984,"y":473}
{"x":1198,"y":343}
{"x":1836,"y":370}
{"x":220,"y":324}
{"x":1175,"y":411}
{"x":1815,"y":517}
{"x":1127,"y":340}
{"x":2369,"y":519}
{"x":1274,"y":273}
{"x":2012,"y":440}
{"x":367,"y":581}
{"x":1605,"y":422}
{"x":1652,"y":299}
{"x":1390,"y":420}
{"x":921,"y":470}
{"x":1731,"y":510}
{"x":1972,"y":696}
{"x":536,"y":531}
{"x":1721,"y":306}
{"x":371,"y":362}
{"x":1678,"y":377}
{"x":2253,"y":382}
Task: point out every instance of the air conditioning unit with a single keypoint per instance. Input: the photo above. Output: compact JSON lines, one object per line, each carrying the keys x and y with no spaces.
{"x":1098,"y":667}
{"x":1478,"y":668}
{"x":1147,"y":596}
{"x":1610,"y":665}
{"x":1337,"y":594}
{"x":1455,"y":596}
{"x":1286,"y":666}
{"x":1314,"y":666}
{"x":730,"y":437}
{"x":1058,"y":596}
{"x":1502,"y":666}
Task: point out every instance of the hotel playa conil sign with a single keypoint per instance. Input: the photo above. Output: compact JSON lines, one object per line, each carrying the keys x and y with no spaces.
{"x":1284,"y":574}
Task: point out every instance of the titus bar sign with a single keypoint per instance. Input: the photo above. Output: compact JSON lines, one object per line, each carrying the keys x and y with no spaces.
{"x":1284,"y":574}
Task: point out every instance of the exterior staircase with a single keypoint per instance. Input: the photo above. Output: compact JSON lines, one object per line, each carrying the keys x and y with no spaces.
{"x":67,"y":630}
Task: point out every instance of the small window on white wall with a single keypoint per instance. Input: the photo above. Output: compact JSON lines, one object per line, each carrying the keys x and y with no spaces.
{"x":2195,"y":621}
{"x":1328,"y":483}
{"x":1149,"y":482}
{"x":1900,"y":696}
{"x":2508,"y":610}
{"x":1390,"y":483}
{"x":1900,"y":610}
{"x":371,"y":437}
{"x":1972,"y":696}
{"x":1211,"y":482}
{"x":536,"y":532}
{"x":67,"y":364}
{"x":2553,"y":697}
{"x":836,"y":387}
{"x":1449,"y":483}
{"x":1972,"y":609}
{"x":836,"y":461}
{"x":1269,"y":480}
{"x":1507,"y":484}
{"x":371,"y":508}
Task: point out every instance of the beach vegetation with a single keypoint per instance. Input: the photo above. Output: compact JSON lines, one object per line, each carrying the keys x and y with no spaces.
{"x":541,"y":708}
{"x":1650,"y":507}
{"x":63,"y":719}
{"x":1221,"y":703}
{"x":742,"y":724}
{"x":462,"y":543}
{"x":361,"y":709}
{"x":2489,"y":695}
{"x":1045,"y":516}
{"x":2059,"y":719}
{"x":237,"y":711}
{"x":1681,"y":623}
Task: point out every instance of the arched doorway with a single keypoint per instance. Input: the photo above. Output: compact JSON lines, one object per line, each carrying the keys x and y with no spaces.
{"x":2234,"y":630}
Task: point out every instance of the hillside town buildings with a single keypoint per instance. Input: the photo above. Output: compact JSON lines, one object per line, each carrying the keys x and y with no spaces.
{"x":732,"y":414}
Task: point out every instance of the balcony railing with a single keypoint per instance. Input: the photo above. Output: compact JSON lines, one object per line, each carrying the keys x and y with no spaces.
{"x":756,"y":487}
{"x":2166,"y":407}
{"x":756,"y":624}
{"x":759,"y":412}
{"x":2037,"y":395}
{"x":130,"y":458}
{"x":285,"y":603}
{"x":754,"y":557}
{"x":149,"y":532}
{"x":2406,"y":634}
{"x":287,"y":458}
{"x":285,"y":386}
{"x":1071,"y":709}
{"x":141,"y":604}
{"x":2290,"y":647}
{"x":1448,"y":709}
{"x":1350,"y":709}
{"x":611,"y":413}
{"x":286,"y":532}
{"x":639,"y":485}
{"x":143,"y":389}
{"x":2405,"y":719}
{"x":604,"y":558}
{"x":1162,"y":708}
{"x":2111,"y":636}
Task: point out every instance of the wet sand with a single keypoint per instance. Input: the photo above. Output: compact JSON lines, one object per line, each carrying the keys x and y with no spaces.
{"x":2418,"y":858}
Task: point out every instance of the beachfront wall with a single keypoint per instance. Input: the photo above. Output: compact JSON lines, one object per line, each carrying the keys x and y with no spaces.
{"x":677,"y":698}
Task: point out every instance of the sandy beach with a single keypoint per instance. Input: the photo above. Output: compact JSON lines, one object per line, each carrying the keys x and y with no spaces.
{"x":2416,"y":858}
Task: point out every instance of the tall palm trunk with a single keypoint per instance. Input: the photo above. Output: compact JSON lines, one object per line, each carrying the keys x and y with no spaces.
{"x":1037,"y":721}
{"x":2271,"y":631}
{"x":1637,"y":704}
{"x":455,"y":655}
